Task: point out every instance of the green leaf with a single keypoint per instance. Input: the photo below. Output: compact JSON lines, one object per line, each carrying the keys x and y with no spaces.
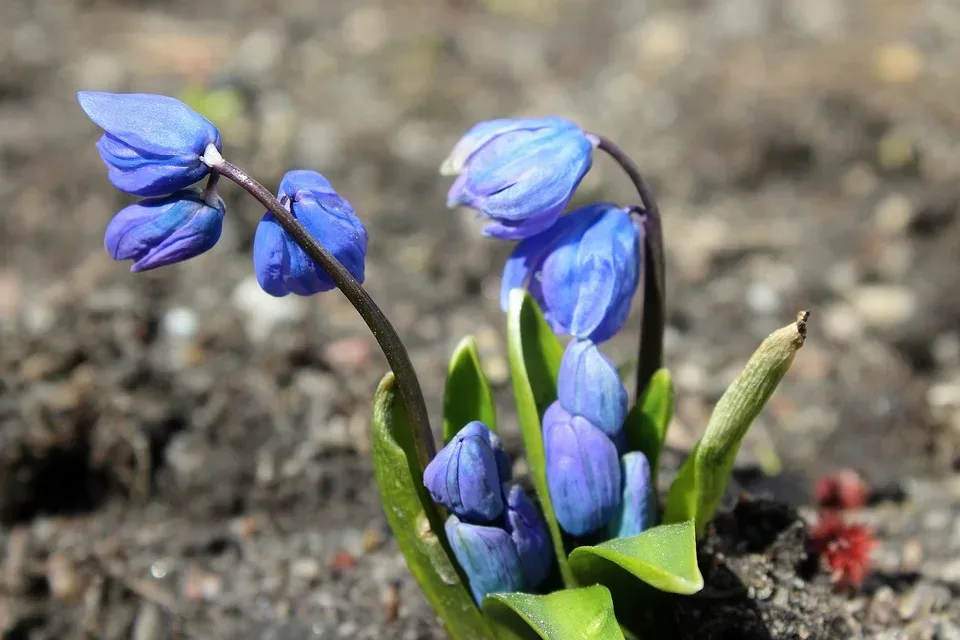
{"x":415,"y":520}
{"x":467,"y":396}
{"x":702,"y":480}
{"x":664,"y":557}
{"x":646,"y":425}
{"x":572,"y":614}
{"x":534,"y":353}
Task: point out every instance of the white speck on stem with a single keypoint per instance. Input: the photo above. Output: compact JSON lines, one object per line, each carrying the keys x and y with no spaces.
{"x":211,"y":156}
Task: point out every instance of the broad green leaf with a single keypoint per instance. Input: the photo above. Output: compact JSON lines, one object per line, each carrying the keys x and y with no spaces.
{"x":571,"y":614}
{"x":467,"y":396}
{"x":664,"y":557}
{"x":702,"y":480}
{"x":646,"y":425}
{"x":415,"y":519}
{"x":534,"y":353}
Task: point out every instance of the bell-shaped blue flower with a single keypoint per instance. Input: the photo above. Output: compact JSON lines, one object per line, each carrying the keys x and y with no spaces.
{"x":152,"y":145}
{"x":465,"y":477}
{"x":638,"y":509}
{"x":583,"y":471}
{"x":488,"y":556}
{"x":529,"y":532}
{"x":281,"y":265}
{"x":582,"y":271}
{"x":588,"y":385}
{"x":159,"y":231}
{"x":519,"y":172}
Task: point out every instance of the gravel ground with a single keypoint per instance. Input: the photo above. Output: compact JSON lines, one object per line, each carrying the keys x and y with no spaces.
{"x":183,"y":456}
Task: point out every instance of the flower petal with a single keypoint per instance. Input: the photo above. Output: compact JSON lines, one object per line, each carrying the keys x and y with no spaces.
{"x":588,"y":385}
{"x":488,"y":557}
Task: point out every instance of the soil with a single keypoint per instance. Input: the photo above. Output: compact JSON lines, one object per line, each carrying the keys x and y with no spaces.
{"x":183,"y":456}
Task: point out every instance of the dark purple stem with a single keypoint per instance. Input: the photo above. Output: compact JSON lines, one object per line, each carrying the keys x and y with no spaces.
{"x":650,"y":358}
{"x":379,"y":325}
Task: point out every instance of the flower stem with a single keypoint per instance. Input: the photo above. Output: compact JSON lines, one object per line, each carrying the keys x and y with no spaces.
{"x":650,"y":358}
{"x":379,"y":325}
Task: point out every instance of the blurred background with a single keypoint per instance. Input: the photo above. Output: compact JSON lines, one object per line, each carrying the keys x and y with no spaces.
{"x":182,"y":454}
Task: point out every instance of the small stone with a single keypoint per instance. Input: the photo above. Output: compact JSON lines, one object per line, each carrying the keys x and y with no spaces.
{"x":149,"y":623}
{"x":841,"y":323}
{"x":264,"y":312}
{"x":884,"y":306}
{"x":912,"y":556}
{"x":946,"y":349}
{"x":62,"y":578}
{"x":342,"y":560}
{"x":893,"y":215}
{"x":883,"y":607}
{"x":762,"y":298}
{"x":373,"y":538}
{"x":347,"y":355}
{"x":663,"y":41}
{"x":365,"y":30}
{"x":202,"y":585}
{"x":898,"y":62}
{"x":924,"y":600}
{"x":306,"y":569}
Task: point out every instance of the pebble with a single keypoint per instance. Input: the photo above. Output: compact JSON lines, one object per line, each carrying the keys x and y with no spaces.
{"x":662,"y":41}
{"x":263,"y":312}
{"x":893,"y":214}
{"x":348,"y":355}
{"x":884,"y":306}
{"x":306,"y":569}
{"x":898,"y":62}
{"x":841,"y":323}
{"x":883,"y":607}
{"x":762,"y":298}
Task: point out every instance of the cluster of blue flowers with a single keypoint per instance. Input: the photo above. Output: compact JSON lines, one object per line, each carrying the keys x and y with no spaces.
{"x":583,"y":269}
{"x":157,"y":147}
{"x":495,"y":531}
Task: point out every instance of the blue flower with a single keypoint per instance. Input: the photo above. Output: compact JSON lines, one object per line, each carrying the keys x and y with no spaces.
{"x":588,"y":385}
{"x":583,"y":471}
{"x":583,"y":271}
{"x":529,"y":533}
{"x":281,"y":265}
{"x":488,"y":556}
{"x":152,"y":145}
{"x":465,"y":476}
{"x":160,"y":231}
{"x":519,"y":172}
{"x":638,"y":508}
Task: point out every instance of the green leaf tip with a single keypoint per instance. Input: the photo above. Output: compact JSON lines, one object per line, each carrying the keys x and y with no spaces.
{"x":572,"y":614}
{"x":697,"y":490}
{"x":467,"y":395}
{"x":647,"y":423}
{"x":664,"y":557}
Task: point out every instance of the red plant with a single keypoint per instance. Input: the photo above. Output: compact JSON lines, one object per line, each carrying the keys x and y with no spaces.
{"x":843,"y":489}
{"x":845,"y":547}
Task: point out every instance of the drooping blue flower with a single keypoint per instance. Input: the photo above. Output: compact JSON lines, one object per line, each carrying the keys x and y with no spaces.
{"x":488,"y":556}
{"x":583,"y":471}
{"x":588,"y":385}
{"x":281,"y":265}
{"x":638,"y":509}
{"x":582,"y":271}
{"x":519,"y":172}
{"x":465,"y":477}
{"x":152,"y":144}
{"x":529,"y":532}
{"x":159,"y":231}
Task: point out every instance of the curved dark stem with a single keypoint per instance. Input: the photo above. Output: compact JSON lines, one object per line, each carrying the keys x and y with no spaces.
{"x":378,"y":323}
{"x":650,"y":358}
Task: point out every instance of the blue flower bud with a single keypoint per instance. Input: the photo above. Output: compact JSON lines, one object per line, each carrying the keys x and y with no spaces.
{"x":583,"y":271}
{"x":583,"y":472}
{"x":519,"y":172}
{"x":488,"y":557}
{"x":638,"y":509}
{"x":160,"y":231}
{"x":281,"y":265}
{"x":152,"y":144}
{"x":504,"y":468}
{"x":464,"y":476}
{"x":588,"y":385}
{"x":529,"y":532}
